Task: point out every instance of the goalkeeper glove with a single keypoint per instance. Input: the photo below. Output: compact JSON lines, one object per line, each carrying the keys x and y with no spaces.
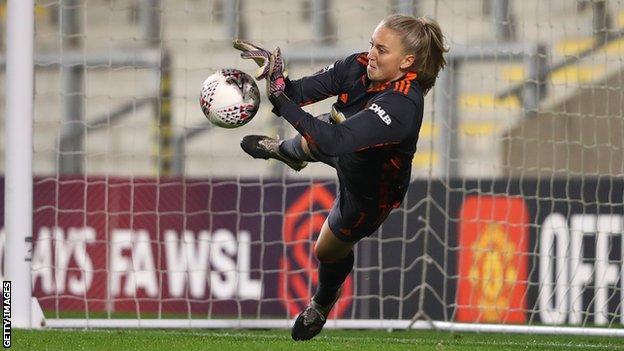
{"x":258,"y":54}
{"x":276,"y":81}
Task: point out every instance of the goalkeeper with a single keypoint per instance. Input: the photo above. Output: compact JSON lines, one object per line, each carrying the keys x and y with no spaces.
{"x":369,"y":138}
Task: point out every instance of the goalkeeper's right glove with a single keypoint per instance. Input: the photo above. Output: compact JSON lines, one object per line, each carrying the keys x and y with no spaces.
{"x":276,"y":81}
{"x":258,"y":54}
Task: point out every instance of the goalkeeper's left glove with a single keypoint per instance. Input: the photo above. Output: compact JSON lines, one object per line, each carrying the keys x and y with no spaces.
{"x":256,"y":53}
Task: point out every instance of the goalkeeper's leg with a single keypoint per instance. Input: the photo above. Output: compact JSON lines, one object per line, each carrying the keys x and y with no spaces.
{"x":294,"y":152}
{"x":336,"y":262}
{"x":264,"y":147}
{"x":350,"y":220}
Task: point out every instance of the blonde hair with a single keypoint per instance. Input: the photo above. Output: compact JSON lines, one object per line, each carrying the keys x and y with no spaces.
{"x":423,"y":38}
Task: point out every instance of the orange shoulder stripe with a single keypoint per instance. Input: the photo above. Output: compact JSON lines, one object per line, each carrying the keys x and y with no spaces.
{"x":399,"y":86}
{"x":404,"y":84}
{"x":407,"y":86}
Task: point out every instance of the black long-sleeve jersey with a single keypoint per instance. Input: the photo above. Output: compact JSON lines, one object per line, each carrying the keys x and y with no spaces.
{"x":377,"y":141}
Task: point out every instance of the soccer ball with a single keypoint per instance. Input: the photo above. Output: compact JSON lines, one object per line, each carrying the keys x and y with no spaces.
{"x":229,"y":98}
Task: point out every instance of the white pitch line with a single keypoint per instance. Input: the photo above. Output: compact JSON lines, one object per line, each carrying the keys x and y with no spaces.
{"x":413,"y":340}
{"x":366,"y":338}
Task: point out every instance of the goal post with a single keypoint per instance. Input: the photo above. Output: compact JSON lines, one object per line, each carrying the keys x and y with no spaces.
{"x":143,"y":215}
{"x":18,"y":156}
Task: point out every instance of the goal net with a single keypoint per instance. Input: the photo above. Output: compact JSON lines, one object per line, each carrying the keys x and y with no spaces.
{"x":145,"y":215}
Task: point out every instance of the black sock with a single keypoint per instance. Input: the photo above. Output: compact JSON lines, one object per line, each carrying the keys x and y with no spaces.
{"x":331,"y":277}
{"x":292,"y":148}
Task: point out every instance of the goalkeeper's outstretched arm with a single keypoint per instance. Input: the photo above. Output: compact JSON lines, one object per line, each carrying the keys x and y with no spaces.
{"x":326,"y":83}
{"x":388,"y":121}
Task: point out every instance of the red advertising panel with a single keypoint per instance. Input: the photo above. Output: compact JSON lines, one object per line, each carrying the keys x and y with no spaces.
{"x":212,"y":247}
{"x":229,"y":247}
{"x":493,"y":242}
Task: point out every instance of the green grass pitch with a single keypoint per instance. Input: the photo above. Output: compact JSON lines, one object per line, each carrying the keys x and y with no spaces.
{"x":243,"y":340}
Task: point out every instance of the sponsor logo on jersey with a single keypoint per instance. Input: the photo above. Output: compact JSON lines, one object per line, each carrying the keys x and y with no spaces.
{"x":381,"y":113}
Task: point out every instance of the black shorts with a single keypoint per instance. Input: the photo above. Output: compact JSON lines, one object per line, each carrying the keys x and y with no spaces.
{"x":352,"y":219}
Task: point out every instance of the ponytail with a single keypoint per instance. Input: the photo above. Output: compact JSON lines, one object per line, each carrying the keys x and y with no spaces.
{"x":423,"y":38}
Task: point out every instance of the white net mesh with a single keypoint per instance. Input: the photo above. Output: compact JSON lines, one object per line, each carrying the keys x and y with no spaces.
{"x":144,"y":212}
